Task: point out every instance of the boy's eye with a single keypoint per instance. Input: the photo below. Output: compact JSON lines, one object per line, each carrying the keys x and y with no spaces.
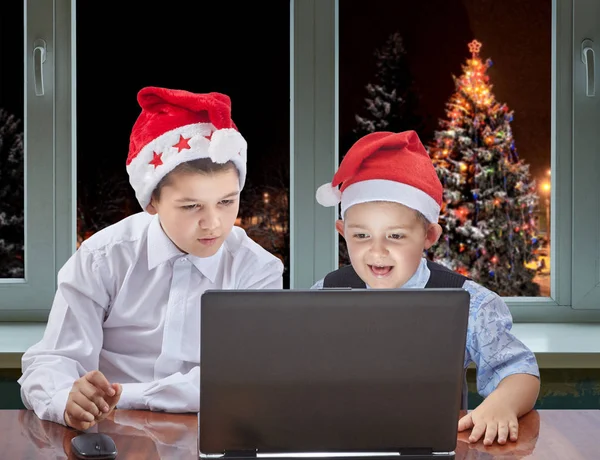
{"x":360,"y":235}
{"x":396,"y":236}
{"x":227,"y":202}
{"x":189,"y":207}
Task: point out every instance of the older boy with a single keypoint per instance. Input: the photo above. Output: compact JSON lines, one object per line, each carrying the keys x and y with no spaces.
{"x":125,"y":323}
{"x":390,"y":199}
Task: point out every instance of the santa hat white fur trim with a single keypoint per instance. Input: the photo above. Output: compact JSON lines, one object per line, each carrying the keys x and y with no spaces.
{"x":222,"y":147}
{"x":387,"y":190}
{"x":225,"y":144}
{"x":327,"y":195}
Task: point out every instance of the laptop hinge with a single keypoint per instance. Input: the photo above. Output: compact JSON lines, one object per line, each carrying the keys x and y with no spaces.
{"x":416,"y":451}
{"x":241,"y":454}
{"x":249,"y":453}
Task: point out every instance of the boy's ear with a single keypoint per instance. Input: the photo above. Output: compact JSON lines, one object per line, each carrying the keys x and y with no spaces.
{"x":339,"y":226}
{"x":434,"y":231}
{"x":151,"y":209}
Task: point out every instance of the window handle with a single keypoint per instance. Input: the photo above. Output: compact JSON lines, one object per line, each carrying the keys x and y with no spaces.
{"x":588,"y":58}
{"x":39,"y":57}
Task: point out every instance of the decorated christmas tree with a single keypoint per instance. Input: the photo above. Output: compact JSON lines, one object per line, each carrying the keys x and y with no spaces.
{"x":489,"y":197}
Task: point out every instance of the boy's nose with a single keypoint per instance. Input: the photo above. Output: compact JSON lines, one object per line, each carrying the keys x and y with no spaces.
{"x":209,"y":221}
{"x":379,"y":248}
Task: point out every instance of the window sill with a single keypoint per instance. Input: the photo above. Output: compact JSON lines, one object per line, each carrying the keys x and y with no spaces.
{"x":556,"y":345}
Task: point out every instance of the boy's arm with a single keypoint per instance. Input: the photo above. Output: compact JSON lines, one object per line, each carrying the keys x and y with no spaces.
{"x":180,"y":392}
{"x":72,"y":340}
{"x":176,"y":393}
{"x":507,"y":371}
{"x":517,"y":392}
{"x":498,"y":415}
{"x":496,"y":352}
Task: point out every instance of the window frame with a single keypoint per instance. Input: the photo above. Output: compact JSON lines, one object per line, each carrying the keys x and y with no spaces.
{"x":566,"y":64}
{"x":51,"y":172}
{"x":49,"y":165}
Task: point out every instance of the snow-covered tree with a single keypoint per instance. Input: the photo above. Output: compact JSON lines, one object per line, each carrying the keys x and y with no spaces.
{"x":391,"y":100}
{"x":12,"y":204}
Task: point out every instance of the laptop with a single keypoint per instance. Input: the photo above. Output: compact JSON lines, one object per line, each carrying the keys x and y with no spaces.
{"x":331,"y":372}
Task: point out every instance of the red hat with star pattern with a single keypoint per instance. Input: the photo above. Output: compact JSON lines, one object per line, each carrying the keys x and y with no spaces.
{"x":176,"y":126}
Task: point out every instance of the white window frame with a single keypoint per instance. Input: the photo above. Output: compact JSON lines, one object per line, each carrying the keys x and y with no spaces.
{"x":51,"y":160}
{"x":575,"y":249}
{"x":49,"y":165}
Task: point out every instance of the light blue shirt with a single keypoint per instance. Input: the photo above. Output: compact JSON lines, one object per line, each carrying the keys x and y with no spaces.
{"x":490,"y":345}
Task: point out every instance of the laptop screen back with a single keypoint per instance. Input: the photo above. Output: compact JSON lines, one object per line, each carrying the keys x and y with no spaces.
{"x":331,"y":370}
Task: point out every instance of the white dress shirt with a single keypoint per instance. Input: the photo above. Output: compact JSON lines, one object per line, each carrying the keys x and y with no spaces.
{"x":128,"y":304}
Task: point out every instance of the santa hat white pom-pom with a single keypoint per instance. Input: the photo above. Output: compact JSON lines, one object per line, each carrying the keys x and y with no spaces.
{"x":328,"y":195}
{"x":225,"y":144}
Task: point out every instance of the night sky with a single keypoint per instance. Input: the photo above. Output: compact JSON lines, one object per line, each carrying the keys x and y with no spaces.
{"x":516,"y":35}
{"x":204,"y":47}
{"x":11,"y":58}
{"x":120,"y":51}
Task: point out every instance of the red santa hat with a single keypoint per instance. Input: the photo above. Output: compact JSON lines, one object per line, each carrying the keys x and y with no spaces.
{"x":385,"y":166}
{"x":176,"y":126}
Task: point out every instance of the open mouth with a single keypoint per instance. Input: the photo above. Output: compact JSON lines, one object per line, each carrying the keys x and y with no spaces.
{"x":381,"y":271}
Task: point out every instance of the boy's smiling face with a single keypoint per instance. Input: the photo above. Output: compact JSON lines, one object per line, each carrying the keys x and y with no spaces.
{"x":198,"y":210}
{"x":386,"y":241}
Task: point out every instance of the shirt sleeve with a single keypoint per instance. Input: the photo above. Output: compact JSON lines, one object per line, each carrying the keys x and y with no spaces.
{"x":72,"y":339}
{"x":269,"y":276}
{"x":491,"y":345}
{"x":318,"y":284}
{"x":176,"y":393}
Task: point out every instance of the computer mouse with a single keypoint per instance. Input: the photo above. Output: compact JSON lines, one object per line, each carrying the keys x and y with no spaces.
{"x":95,"y":446}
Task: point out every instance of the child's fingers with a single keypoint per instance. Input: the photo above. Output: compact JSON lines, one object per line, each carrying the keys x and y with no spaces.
{"x":95,"y":395}
{"x":490,"y":433}
{"x":477,"y":431}
{"x":513,"y":427}
{"x":97,"y":379}
{"x":113,"y":400}
{"x":465,"y":423}
{"x":502,"y":432}
{"x":118,"y":390}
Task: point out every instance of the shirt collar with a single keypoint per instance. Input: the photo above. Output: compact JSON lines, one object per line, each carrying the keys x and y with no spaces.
{"x":419,"y":278}
{"x":208,"y":266}
{"x":161,"y":249}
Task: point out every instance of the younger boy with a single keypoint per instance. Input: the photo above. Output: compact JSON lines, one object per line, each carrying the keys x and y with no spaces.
{"x":125,"y":324}
{"x":391,"y":198}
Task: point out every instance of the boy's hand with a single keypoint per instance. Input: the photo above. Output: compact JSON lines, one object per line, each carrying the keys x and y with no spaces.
{"x":492,"y":419}
{"x":91,"y":399}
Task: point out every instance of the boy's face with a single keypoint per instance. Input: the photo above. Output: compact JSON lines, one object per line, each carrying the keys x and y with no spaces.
{"x":385,"y":242}
{"x":197,"y":211}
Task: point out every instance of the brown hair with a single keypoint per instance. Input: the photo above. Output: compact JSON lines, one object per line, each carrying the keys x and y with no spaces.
{"x":423,"y":220}
{"x":199,"y":166}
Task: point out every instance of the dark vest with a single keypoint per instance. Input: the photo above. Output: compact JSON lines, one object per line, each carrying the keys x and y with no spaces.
{"x":440,"y":277}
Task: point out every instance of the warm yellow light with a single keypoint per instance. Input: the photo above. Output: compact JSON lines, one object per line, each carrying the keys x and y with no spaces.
{"x":546,"y":186}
